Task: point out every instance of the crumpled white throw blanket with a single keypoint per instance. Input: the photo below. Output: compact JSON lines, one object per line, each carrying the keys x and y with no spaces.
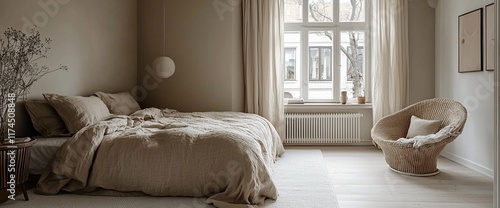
{"x":421,"y":140}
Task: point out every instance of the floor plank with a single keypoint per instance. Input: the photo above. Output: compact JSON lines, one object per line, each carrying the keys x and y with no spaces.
{"x":361,"y":178}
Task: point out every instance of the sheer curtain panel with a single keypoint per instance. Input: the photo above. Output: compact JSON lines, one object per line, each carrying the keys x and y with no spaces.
{"x":390,"y":63}
{"x":263,"y":58}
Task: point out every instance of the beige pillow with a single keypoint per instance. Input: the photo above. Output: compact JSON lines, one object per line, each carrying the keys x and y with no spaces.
{"x":45,"y":119}
{"x":76,"y":111}
{"x":119,"y":103}
{"x":421,"y":127}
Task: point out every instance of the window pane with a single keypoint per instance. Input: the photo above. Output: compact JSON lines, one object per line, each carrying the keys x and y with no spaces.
{"x":292,"y":60}
{"x":320,"y":65}
{"x":320,"y":11}
{"x":290,"y":64}
{"x":352,"y":10}
{"x":352,"y":62}
{"x":293,"y":10}
{"x":326,"y":59}
{"x":313,"y":63}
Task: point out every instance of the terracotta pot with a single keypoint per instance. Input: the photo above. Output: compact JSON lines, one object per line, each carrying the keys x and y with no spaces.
{"x":361,"y":100}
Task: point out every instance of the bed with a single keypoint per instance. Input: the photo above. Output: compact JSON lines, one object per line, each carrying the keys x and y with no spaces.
{"x":225,"y":156}
{"x":42,"y":153}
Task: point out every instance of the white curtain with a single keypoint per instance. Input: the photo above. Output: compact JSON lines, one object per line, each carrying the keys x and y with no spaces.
{"x":390,"y":63}
{"x":263,"y":59}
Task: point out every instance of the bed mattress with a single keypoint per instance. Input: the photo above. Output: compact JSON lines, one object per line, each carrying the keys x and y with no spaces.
{"x":43,"y":151}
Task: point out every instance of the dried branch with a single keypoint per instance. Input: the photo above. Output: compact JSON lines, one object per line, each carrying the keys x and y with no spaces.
{"x":19,"y":70}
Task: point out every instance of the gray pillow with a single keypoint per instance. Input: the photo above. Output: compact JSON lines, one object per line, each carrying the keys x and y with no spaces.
{"x":78,"y":112}
{"x":119,"y":103}
{"x":45,"y":119}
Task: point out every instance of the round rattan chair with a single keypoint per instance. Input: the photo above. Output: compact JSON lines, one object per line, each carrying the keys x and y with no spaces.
{"x":403,"y":157}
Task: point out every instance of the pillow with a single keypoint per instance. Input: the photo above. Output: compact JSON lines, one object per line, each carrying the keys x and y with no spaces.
{"x":120,"y":103}
{"x":420,"y":127}
{"x":45,"y":119}
{"x":76,"y":111}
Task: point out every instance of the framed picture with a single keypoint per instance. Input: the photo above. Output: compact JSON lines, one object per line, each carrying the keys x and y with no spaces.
{"x":490,"y":37}
{"x":470,"y":41}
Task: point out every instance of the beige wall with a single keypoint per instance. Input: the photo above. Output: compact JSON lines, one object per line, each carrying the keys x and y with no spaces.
{"x":206,"y":49}
{"x":204,"y":41}
{"x":421,"y":31}
{"x":96,"y":39}
{"x":475,"y":147}
{"x":496,"y":184}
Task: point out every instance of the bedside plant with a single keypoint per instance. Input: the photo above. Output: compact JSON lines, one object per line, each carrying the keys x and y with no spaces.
{"x":19,"y":54}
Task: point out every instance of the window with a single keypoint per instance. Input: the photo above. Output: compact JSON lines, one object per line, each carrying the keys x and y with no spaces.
{"x":326,"y":45}
{"x":320,"y":59}
{"x":290,"y":54}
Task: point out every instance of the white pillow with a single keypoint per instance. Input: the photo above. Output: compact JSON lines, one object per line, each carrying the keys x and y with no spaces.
{"x":76,"y":111}
{"x":420,"y":127}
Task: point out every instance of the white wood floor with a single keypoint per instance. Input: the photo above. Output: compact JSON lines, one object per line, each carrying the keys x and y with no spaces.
{"x":362,"y":179}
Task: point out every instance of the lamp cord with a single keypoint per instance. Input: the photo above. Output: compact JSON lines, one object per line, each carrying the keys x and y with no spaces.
{"x":164,"y":32}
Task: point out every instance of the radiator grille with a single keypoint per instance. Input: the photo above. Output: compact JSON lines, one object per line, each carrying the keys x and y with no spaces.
{"x":323,"y":128}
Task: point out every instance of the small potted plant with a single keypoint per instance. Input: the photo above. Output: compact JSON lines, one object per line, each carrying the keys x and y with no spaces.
{"x":361,"y":98}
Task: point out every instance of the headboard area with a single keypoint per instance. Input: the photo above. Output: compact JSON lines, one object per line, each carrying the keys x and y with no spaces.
{"x":63,"y":116}
{"x":24,"y":127}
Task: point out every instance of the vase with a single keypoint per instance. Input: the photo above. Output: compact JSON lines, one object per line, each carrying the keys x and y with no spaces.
{"x":343,"y":97}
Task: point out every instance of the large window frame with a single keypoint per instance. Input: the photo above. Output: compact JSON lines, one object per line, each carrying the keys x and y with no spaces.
{"x":337,"y":27}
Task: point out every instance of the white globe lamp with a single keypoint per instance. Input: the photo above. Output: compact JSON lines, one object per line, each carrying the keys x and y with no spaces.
{"x":164,"y":66}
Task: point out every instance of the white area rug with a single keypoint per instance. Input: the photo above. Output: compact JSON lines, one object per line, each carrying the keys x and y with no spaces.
{"x":300,"y":175}
{"x":302,"y":180}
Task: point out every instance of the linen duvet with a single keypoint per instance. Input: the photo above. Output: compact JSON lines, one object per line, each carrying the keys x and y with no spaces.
{"x":226,"y":157}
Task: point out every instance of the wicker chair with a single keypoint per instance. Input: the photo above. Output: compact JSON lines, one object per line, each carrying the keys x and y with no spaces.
{"x":421,"y":161}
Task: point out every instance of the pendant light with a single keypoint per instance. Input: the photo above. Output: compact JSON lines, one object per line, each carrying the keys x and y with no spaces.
{"x":164,"y":66}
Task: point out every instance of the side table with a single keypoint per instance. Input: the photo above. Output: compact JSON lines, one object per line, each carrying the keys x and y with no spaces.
{"x":15,"y":159}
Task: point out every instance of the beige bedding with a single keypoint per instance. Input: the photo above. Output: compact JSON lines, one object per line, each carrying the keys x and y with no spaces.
{"x":226,"y":157}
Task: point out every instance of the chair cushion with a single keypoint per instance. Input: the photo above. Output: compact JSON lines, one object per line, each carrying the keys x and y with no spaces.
{"x":420,"y":127}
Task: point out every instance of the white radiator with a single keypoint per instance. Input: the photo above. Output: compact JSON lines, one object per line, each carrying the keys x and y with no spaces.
{"x":323,"y":128}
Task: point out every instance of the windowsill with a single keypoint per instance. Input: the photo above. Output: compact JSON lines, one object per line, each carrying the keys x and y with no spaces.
{"x":349,"y":105}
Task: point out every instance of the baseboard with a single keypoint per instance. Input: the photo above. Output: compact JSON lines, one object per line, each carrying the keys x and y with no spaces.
{"x":362,"y":143}
{"x":469,"y":164}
